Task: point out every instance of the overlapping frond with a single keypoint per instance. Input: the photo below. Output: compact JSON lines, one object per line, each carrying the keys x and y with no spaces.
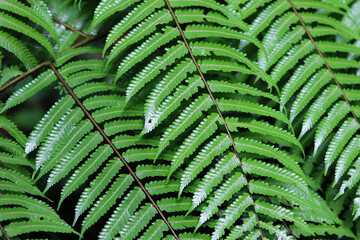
{"x":193,"y":120}
{"x":323,"y":104}
{"x":22,"y":209}
{"x":22,"y":20}
{"x":193,"y":101}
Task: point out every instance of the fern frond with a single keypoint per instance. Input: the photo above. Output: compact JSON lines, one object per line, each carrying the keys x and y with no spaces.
{"x":96,"y":187}
{"x":232,"y":185}
{"x":215,"y":147}
{"x":319,"y":107}
{"x":221,"y":87}
{"x":141,"y":12}
{"x":343,"y":135}
{"x":214,"y":177}
{"x":61,"y":170}
{"x":79,"y":176}
{"x":106,"y":8}
{"x":21,"y":95}
{"x":18,"y":228}
{"x":62,"y":128}
{"x":148,"y":47}
{"x":262,"y":128}
{"x":19,"y":26}
{"x":346,"y":158}
{"x":249,"y":107}
{"x":9,"y":73}
{"x":11,"y":146}
{"x":20,"y":213}
{"x":20,"y":181}
{"x":47,"y":122}
{"x":335,"y":115}
{"x":10,"y":159}
{"x":272,"y":171}
{"x":65,"y":56}
{"x":309,"y":91}
{"x":138,"y":222}
{"x":16,"y":47}
{"x":233,"y":212}
{"x":354,"y":177}
{"x":247,"y":145}
{"x":154,"y":68}
{"x":277,"y":8}
{"x":281,"y":213}
{"x":41,"y":17}
{"x":178,"y":82}
{"x":238,"y":231}
{"x":121,"y":214}
{"x":311,"y":17}
{"x":322,"y":229}
{"x":205,"y":129}
{"x":116,"y":190}
{"x":186,"y":118}
{"x":66,"y":40}
{"x":13,"y":130}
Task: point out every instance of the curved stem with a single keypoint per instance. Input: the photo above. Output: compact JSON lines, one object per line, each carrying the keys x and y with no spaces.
{"x":70,"y":28}
{"x":108,"y":141}
{"x":233,"y":147}
{"x":322,"y":56}
{"x":46,"y":63}
{"x":4,"y":232}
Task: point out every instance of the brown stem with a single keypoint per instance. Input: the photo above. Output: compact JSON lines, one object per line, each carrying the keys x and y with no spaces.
{"x":322,"y":56}
{"x":4,"y":232}
{"x":102,"y":133}
{"x":282,"y":220}
{"x":46,"y":63}
{"x":19,"y":78}
{"x":233,"y":147}
{"x":70,"y":28}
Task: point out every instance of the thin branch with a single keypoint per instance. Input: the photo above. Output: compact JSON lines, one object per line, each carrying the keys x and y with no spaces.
{"x":21,"y":77}
{"x":233,"y":147}
{"x":106,"y":138}
{"x":46,"y":63}
{"x":71,"y":28}
{"x":282,"y":220}
{"x":4,"y":232}
{"x":2,"y":229}
{"x":322,"y":56}
{"x":85,"y":41}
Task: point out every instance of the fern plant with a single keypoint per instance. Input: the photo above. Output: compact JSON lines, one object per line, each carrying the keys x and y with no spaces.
{"x":173,"y":119}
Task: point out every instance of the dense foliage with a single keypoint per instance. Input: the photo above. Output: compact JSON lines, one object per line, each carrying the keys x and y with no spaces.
{"x":178,"y":119}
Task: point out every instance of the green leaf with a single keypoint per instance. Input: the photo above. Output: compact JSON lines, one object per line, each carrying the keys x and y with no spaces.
{"x":107,"y":200}
{"x":342,"y":136}
{"x":19,"y":26}
{"x":232,"y":213}
{"x":326,"y":126}
{"x":185,"y":119}
{"x":106,"y":8}
{"x":35,"y":14}
{"x":205,"y":129}
{"x":18,"y":228}
{"x":141,"y":12}
{"x":16,"y":47}
{"x":279,"y":213}
{"x":231,"y":186}
{"x":31,"y":88}
{"x":215,"y":147}
{"x":97,"y":185}
{"x":348,"y":155}
{"x":20,"y":180}
{"x":13,"y":130}
{"x":227,"y":105}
